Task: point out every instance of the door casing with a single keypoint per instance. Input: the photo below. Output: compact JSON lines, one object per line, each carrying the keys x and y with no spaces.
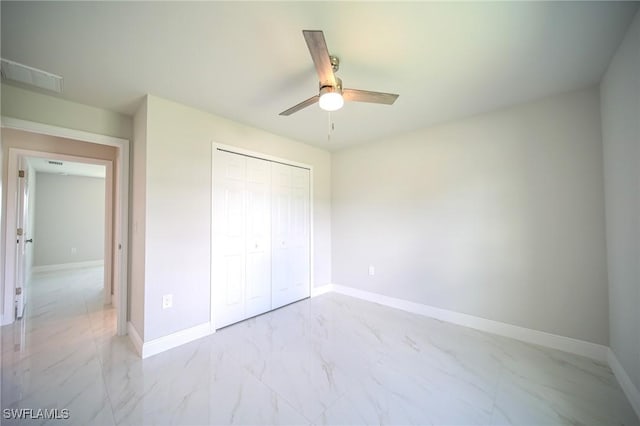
{"x":22,"y":216}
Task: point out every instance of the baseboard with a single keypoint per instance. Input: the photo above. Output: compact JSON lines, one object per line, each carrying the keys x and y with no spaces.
{"x":566,"y":344}
{"x":630,"y":390}
{"x":135,"y":338}
{"x":317,"y":291}
{"x":65,"y":266}
{"x":161,"y":344}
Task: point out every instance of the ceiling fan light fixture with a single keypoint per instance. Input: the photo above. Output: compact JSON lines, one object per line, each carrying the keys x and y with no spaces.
{"x":331,"y":101}
{"x":331,"y":97}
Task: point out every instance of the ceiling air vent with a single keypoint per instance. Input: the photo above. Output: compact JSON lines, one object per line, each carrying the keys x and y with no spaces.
{"x":55,"y":163}
{"x":29,"y":75}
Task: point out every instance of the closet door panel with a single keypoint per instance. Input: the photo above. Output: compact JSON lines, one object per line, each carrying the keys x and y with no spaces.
{"x":229,"y":235}
{"x":280,"y":231}
{"x":290,"y":277}
{"x":300,"y":252}
{"x":258,"y":241}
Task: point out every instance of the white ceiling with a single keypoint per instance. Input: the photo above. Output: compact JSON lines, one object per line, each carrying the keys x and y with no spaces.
{"x":42,"y":165}
{"x":248,"y":61}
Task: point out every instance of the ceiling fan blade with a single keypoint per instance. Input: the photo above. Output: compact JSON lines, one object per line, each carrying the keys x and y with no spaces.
{"x":366,"y":96}
{"x":312,"y":100}
{"x":320,"y":55}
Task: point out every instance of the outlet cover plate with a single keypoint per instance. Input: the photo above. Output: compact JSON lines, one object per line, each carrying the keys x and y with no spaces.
{"x":167,"y":301}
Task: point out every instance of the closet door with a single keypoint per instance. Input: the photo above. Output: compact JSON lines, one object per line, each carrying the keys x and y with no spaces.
{"x":261,"y":238}
{"x":300,"y":238}
{"x":229,"y":238}
{"x":258,"y":237}
{"x":290,"y":234}
{"x":242,"y":237}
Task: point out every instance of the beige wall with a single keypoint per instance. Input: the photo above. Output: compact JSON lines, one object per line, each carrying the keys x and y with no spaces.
{"x":12,"y":138}
{"x":620,"y":91}
{"x":499,"y":216}
{"x":178,"y":207}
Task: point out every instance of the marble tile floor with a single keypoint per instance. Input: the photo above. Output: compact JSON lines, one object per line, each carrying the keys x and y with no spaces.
{"x":330,"y":360}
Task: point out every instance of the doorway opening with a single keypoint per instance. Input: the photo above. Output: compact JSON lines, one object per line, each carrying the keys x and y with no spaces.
{"x":64,"y":215}
{"x":67,"y":147}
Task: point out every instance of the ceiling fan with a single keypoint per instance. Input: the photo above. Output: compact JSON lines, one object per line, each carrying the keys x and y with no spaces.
{"x":332,"y":95}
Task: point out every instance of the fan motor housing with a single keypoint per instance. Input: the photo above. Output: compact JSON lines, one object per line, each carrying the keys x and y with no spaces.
{"x":335,"y":63}
{"x":331,"y":89}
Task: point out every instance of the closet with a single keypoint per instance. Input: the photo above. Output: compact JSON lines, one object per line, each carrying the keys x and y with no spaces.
{"x":260,"y":238}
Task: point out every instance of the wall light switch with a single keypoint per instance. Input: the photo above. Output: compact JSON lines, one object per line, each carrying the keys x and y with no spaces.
{"x":167,"y":301}
{"x":74,"y":250}
{"x":372,"y":270}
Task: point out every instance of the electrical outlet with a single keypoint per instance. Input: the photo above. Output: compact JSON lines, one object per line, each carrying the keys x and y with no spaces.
{"x":167,"y":301}
{"x":372,"y":270}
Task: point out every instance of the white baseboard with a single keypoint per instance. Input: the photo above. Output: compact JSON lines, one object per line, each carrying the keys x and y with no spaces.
{"x":65,"y":266}
{"x":135,"y":337}
{"x":161,"y":344}
{"x":317,"y":291}
{"x":566,"y":344}
{"x":630,"y":390}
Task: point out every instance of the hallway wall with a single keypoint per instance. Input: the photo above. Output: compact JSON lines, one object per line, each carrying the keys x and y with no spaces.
{"x":69,"y":219}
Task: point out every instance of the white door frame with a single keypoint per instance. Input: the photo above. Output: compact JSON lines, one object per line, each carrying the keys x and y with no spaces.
{"x":234,"y":149}
{"x":22,"y":221}
{"x":120,"y":213}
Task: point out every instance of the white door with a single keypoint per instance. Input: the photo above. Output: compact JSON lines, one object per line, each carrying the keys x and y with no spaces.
{"x":290,"y":233}
{"x":258,"y":242}
{"x":299,"y":249}
{"x":229,"y":239}
{"x":242,"y":237}
{"x":23,"y":238}
{"x":261,"y":237}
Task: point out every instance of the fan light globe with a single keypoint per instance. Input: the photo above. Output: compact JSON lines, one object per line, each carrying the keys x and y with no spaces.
{"x":331,"y":101}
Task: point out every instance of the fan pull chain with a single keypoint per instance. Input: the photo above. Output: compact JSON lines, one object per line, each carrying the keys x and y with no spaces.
{"x":331,"y":127}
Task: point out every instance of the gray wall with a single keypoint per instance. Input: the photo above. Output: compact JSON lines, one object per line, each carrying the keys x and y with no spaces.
{"x":620,"y":91}
{"x":137,"y":215}
{"x":69,"y":214}
{"x":500,"y":216}
{"x":32,"y":106}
